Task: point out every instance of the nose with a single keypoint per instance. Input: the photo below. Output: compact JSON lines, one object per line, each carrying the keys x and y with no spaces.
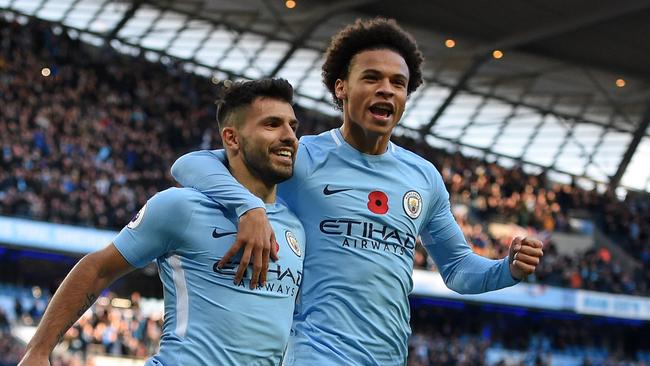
{"x":385,"y":88}
{"x":288,"y":135}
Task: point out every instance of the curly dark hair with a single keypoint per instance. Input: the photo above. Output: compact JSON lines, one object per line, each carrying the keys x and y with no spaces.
{"x":236,"y":95}
{"x":364,"y":35}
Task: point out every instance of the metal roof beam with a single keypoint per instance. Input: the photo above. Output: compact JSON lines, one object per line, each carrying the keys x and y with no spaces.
{"x":612,"y":11}
{"x":631,"y":148}
{"x":539,"y":109}
{"x":312,"y":26}
{"x":460,"y":85}
{"x":127,"y":16}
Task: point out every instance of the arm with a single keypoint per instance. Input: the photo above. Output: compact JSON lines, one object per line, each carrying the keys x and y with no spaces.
{"x":76,"y":294}
{"x":205,"y":171}
{"x":463,"y":270}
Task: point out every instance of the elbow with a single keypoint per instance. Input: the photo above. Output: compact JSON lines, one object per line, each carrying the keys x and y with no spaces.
{"x":462,"y":284}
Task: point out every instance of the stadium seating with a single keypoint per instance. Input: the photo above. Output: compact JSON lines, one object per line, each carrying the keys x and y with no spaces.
{"x":88,"y":144}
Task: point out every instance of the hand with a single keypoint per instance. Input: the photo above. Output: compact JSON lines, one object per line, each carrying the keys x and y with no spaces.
{"x":256,"y":236}
{"x":524,"y":256}
{"x":32,"y":359}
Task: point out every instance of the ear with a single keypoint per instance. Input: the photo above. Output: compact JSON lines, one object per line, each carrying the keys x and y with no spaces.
{"x":341,"y":89}
{"x":230,"y":138}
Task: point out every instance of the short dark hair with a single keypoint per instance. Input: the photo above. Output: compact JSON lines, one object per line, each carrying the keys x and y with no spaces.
{"x":236,"y":95}
{"x":364,"y":35}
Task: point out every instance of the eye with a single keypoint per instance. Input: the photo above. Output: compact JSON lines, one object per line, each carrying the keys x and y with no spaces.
{"x":273,"y":123}
{"x":400,"y":82}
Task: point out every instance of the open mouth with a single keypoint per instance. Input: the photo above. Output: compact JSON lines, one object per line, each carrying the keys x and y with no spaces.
{"x":285,"y":155}
{"x":382,"y":111}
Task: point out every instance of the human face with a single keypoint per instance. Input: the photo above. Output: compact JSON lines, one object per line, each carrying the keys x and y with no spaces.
{"x":375,"y":91}
{"x":268,"y":141}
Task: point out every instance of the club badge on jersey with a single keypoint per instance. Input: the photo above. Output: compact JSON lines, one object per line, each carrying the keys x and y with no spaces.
{"x":412,"y":204}
{"x":293,"y":242}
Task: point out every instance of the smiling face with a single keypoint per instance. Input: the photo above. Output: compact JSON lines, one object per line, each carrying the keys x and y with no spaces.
{"x":375,"y":91}
{"x":267,"y":142}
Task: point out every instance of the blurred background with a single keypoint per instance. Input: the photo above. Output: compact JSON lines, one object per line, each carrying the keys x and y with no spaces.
{"x":536,"y":113}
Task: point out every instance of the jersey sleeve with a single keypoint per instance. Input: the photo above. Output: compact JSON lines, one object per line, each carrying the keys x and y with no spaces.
{"x":156,"y":229}
{"x":462,"y":270}
{"x":205,"y":171}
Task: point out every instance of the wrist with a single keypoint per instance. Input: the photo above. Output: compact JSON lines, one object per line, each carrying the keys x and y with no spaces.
{"x":37,"y":352}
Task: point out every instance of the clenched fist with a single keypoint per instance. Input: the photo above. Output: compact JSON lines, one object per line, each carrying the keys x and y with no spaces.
{"x":525,"y":254}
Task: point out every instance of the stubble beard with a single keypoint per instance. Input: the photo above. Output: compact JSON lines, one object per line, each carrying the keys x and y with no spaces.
{"x":259,"y":164}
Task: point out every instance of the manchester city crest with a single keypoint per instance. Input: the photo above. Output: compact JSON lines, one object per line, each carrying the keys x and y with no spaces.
{"x":412,"y":204}
{"x":293,"y":242}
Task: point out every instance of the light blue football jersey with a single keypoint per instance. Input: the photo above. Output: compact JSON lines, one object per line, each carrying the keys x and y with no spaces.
{"x":209,"y":320}
{"x":362,"y":214}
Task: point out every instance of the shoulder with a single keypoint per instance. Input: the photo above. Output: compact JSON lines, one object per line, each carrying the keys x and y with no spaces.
{"x":177,"y":196}
{"x":414,"y":161}
{"x":324,"y":141}
{"x":175,"y":202}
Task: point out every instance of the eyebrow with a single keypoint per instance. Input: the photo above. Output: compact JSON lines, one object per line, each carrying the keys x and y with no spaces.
{"x":278,"y":119}
{"x":375,"y":71}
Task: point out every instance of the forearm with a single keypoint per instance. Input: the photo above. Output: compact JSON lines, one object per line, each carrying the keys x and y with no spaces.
{"x":475,"y":274}
{"x":465,"y":271}
{"x":205,"y":171}
{"x":76,"y":294}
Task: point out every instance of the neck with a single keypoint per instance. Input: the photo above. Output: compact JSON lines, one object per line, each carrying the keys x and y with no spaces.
{"x":364,"y":141}
{"x":255,"y":185}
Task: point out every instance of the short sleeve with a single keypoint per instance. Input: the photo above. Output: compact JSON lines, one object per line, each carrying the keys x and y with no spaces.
{"x":156,"y":229}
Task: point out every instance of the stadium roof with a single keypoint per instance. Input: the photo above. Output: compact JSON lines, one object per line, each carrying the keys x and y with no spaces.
{"x":551,"y":101}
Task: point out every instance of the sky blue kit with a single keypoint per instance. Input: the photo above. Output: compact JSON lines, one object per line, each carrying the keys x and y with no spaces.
{"x":362,"y":214}
{"x":209,"y":320}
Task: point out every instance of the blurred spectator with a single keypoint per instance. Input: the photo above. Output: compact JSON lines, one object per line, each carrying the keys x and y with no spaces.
{"x":89,"y":144}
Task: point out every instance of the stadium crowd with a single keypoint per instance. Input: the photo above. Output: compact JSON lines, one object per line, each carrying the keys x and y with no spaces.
{"x":467,"y":334}
{"x":88,"y":144}
{"x":95,"y":163}
{"x":443,"y":334}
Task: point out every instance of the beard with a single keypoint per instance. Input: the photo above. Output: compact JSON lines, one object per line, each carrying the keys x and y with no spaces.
{"x":260,"y":165}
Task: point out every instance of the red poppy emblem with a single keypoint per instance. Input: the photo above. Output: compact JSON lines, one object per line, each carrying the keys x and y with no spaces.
{"x":378,"y":202}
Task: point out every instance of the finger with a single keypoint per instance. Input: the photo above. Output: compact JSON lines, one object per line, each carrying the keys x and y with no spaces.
{"x":526,"y":268}
{"x":243,"y":264}
{"x":531,"y":242}
{"x":514,"y":247}
{"x":230,"y":253}
{"x":257,"y":267}
{"x":535,"y":252}
{"x":265,"y":263}
{"x":274,"y":247}
{"x":526,"y":259}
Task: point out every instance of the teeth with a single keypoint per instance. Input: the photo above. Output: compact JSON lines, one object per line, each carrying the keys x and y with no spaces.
{"x":285,"y":153}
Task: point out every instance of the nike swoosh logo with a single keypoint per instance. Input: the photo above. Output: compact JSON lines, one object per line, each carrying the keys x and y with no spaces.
{"x":217,"y":235}
{"x":327,"y":191}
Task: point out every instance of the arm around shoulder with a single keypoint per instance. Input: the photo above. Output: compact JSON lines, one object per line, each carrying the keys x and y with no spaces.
{"x":206,"y":171}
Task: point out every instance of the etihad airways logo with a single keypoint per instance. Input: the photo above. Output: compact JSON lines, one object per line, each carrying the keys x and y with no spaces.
{"x":280,"y":280}
{"x":369,"y":235}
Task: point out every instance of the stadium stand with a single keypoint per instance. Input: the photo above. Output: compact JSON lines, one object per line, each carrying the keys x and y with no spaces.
{"x":94,"y":162}
{"x":86,"y":164}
